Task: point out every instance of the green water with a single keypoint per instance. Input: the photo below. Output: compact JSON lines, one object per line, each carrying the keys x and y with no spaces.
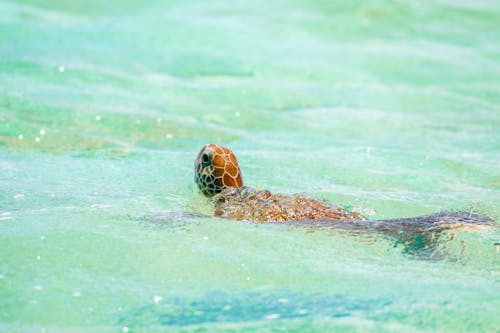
{"x":391,"y":107}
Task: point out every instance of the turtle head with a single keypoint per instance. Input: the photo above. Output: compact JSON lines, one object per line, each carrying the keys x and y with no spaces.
{"x":216,"y":168}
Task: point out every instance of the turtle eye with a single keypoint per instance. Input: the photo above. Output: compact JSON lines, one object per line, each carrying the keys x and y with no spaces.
{"x":205,"y":160}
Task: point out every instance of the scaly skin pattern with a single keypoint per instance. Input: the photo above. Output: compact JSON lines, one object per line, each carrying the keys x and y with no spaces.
{"x":218,"y":175}
{"x":216,"y":168}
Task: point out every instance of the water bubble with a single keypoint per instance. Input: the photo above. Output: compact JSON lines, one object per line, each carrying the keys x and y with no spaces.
{"x":205,"y":238}
{"x":1,"y":276}
{"x":38,"y":257}
{"x":369,"y":149}
{"x":37,"y":139}
{"x":303,"y":311}
{"x":76,"y":294}
{"x":42,"y":132}
{"x":18,"y":196}
{"x":125,"y":329}
{"x":61,"y":69}
{"x":42,"y":237}
{"x":226,"y":308}
{"x":169,"y":136}
{"x":38,"y":287}
{"x":157,"y":299}
{"x":20,"y":136}
{"x":97,"y":118}
{"x":236,"y":114}
{"x":283,"y":300}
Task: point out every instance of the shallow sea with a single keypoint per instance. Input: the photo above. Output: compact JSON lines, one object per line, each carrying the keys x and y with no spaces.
{"x":389,"y":107}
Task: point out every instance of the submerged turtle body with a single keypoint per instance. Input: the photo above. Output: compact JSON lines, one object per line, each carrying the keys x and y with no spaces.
{"x":218,"y":175}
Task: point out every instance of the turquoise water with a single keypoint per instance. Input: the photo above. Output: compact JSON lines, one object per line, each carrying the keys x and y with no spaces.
{"x":389,"y":107}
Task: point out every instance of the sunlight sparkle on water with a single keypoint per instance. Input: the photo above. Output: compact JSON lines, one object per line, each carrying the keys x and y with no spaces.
{"x":273,"y":316}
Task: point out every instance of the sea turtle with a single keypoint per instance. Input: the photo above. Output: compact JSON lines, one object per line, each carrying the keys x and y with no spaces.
{"x":218,"y":175}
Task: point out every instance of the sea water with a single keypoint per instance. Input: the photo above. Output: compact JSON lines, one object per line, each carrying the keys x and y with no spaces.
{"x":391,"y":108}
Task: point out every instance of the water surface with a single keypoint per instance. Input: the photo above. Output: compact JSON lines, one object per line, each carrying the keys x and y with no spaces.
{"x":390,"y":108}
